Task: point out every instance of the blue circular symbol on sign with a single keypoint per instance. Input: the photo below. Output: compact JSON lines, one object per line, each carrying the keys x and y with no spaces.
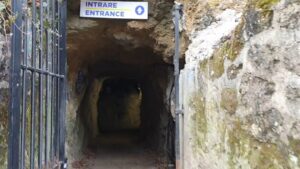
{"x":139,"y":10}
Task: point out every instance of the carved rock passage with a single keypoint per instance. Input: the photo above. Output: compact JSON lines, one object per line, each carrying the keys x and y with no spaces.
{"x":103,"y":50}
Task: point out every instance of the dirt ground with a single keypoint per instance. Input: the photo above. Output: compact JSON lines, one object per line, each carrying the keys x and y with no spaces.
{"x":118,"y":151}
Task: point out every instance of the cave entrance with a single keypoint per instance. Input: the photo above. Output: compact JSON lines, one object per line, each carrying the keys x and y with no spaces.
{"x":121,"y":82}
{"x":126,"y":116}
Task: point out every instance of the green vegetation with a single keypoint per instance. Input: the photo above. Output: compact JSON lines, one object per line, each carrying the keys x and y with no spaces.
{"x":295,"y":146}
{"x":265,"y":9}
{"x":236,"y":43}
{"x":265,"y":4}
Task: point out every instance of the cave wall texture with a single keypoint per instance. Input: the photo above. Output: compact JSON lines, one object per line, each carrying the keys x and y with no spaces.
{"x":240,"y":86}
{"x":4,"y":85}
{"x":4,"y":95}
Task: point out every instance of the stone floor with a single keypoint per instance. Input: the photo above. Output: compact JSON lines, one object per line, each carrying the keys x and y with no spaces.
{"x":118,"y":151}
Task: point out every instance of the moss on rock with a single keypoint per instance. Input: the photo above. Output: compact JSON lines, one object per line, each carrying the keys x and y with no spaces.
{"x":295,"y":147}
{"x":3,"y":127}
{"x":230,"y":49}
{"x":236,"y":43}
{"x":229,"y":100}
{"x":197,"y":103}
{"x":260,"y":155}
{"x":214,"y":67}
{"x":259,"y":15}
{"x":265,"y":4}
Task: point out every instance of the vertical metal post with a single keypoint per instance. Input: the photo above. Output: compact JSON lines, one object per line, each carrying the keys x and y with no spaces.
{"x":178,"y":138}
{"x":33,"y":91}
{"x":14,"y":114}
{"x":41,"y":95}
{"x":62,"y":82}
{"x":52,"y":84}
{"x":47,"y":99}
{"x":24,"y":92}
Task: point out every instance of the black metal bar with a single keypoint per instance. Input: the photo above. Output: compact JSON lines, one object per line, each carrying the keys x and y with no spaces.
{"x":33,"y":120}
{"x":47,"y":87}
{"x":14,"y":115}
{"x":40,"y":139}
{"x":23,"y":94}
{"x":43,"y":72}
{"x":50,"y":69}
{"x":58,"y":80}
{"x":33,"y":106}
{"x":23,"y":129}
{"x":51,"y":98}
{"x":52,"y":144}
{"x":41,"y":54}
{"x":47,"y":116}
{"x":24,"y":91}
{"x":55,"y":98}
{"x":178,"y":139}
{"x":32,"y":133}
{"x":63,"y":82}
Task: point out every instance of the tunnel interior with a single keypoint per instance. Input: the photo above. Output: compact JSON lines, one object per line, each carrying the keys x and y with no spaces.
{"x":119,"y":106}
{"x":126,"y":108}
{"x":124,"y":102}
{"x":120,"y":82}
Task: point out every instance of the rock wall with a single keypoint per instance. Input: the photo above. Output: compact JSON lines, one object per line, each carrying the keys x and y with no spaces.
{"x":4,"y":93}
{"x":4,"y":84}
{"x":240,"y":87}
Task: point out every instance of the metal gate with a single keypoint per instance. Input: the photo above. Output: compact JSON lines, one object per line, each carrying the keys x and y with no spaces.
{"x":38,"y":85}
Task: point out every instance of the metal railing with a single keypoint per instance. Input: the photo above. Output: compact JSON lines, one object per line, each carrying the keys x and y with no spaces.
{"x":38,"y":85}
{"x":178,"y":110}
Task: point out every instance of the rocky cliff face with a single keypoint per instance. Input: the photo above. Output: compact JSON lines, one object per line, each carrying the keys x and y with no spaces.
{"x":4,"y":91}
{"x":241,"y":84}
{"x":4,"y":88}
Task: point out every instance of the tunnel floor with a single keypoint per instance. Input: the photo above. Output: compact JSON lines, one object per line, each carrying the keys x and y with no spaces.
{"x":120,"y":150}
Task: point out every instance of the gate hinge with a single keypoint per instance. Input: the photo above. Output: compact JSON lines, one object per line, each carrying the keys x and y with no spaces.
{"x":179,"y":112}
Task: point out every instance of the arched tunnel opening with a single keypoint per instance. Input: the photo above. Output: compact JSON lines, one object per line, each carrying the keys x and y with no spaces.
{"x":120,"y":90}
{"x":126,"y":114}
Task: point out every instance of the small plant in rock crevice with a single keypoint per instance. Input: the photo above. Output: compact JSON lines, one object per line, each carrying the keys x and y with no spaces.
{"x":6,"y":19}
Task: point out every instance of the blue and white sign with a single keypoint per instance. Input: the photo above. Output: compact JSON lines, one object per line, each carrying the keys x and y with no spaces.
{"x":113,"y":9}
